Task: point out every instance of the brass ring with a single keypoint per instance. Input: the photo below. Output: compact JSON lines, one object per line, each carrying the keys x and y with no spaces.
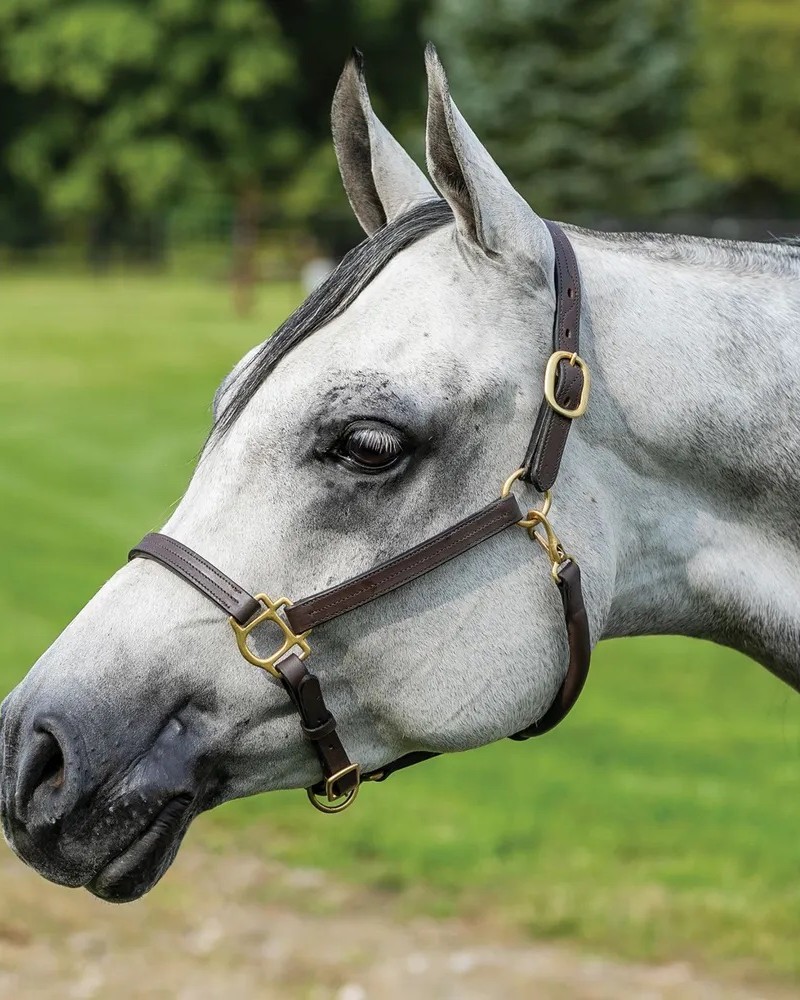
{"x":337,"y":806}
{"x":530,"y":521}
{"x":333,"y":803}
{"x":510,"y":481}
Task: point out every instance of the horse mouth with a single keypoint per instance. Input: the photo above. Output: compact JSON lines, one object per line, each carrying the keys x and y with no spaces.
{"x":134,"y":872}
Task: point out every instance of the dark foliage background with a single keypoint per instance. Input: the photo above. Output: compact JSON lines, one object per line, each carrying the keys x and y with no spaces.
{"x":149,"y":123}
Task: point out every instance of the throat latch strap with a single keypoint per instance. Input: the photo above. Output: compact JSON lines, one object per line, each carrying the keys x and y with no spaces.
{"x":546,"y":446}
{"x":580,"y":654}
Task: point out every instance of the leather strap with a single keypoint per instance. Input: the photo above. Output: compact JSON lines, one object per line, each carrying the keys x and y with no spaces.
{"x":580,"y":652}
{"x":411,"y":564}
{"x":541,"y":464}
{"x":201,"y":574}
{"x":407,"y":760}
{"x":546,"y":446}
{"x":317,"y":723}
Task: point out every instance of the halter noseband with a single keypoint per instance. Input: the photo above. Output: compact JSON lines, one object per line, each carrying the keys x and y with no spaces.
{"x":566,"y":391}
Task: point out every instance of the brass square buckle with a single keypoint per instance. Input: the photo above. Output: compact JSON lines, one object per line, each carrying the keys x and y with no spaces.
{"x":291,"y":641}
{"x":336,"y":803}
{"x":550,"y":374}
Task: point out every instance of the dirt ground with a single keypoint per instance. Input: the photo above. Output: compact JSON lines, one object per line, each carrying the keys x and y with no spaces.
{"x":239,"y":927}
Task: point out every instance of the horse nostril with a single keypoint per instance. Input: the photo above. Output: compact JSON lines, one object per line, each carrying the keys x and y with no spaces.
{"x":42,"y":774}
{"x":52,"y":765}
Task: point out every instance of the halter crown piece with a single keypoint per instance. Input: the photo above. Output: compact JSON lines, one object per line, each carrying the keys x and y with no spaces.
{"x":566,"y":394}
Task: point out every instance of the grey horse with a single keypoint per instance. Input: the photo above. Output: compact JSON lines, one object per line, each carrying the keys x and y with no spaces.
{"x":395,"y":402}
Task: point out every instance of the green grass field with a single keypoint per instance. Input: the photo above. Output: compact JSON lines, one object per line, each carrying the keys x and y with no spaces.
{"x":662,"y":820}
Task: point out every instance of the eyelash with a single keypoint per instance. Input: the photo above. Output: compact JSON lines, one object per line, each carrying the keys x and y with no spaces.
{"x":379,"y":439}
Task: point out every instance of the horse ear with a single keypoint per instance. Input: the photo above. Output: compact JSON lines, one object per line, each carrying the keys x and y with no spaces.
{"x":487,"y":209}
{"x":380,"y":178}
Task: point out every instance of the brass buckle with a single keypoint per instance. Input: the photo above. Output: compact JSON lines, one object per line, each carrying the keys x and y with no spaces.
{"x":290,"y":639}
{"x":550,"y":374}
{"x":333,"y":803}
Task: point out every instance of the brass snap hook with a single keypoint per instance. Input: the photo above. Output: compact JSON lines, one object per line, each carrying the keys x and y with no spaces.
{"x":549,"y":541}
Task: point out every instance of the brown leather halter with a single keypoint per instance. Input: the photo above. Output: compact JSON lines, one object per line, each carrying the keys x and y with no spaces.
{"x":565,"y":397}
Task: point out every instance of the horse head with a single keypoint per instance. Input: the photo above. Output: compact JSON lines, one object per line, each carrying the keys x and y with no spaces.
{"x":393,"y":403}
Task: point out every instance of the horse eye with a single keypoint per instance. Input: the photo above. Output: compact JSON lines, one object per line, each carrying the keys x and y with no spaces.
{"x":370,"y":447}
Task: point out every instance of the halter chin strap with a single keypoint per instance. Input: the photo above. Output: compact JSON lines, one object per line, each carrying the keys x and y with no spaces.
{"x":566,"y":394}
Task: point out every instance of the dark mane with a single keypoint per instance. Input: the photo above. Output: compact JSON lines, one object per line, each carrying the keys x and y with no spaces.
{"x":330,"y":299}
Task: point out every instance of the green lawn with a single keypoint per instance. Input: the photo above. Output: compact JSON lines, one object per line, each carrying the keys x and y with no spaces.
{"x":662,"y":820}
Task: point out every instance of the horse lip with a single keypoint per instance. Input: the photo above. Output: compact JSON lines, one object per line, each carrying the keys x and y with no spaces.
{"x":137,"y":869}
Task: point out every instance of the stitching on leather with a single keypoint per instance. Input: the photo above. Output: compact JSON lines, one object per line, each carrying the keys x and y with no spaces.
{"x":547,"y":466}
{"x":205,"y":578}
{"x":215,"y":574}
{"x":202,"y":581}
{"x":545,"y":463}
{"x":568,"y":259}
{"x":197,"y":576}
{"x":549,"y":469}
{"x":368,"y":592}
{"x":532,"y":454}
{"x":425,"y":553}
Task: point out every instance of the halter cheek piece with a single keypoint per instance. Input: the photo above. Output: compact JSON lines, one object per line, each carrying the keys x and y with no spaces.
{"x":566,"y":391}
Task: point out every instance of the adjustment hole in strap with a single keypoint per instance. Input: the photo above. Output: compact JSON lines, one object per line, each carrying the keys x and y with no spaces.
{"x":569,"y":293}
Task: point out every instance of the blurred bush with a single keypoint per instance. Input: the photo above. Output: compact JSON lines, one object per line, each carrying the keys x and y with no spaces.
{"x":136,"y":123}
{"x":746,"y":106}
{"x":115,"y":111}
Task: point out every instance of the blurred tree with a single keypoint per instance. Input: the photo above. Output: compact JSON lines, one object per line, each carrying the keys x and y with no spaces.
{"x":747,"y":106}
{"x":321,"y":34}
{"x":113,"y":112}
{"x":23,"y":221}
{"x":143,"y":100}
{"x":583,"y":102}
{"x":140,"y":104}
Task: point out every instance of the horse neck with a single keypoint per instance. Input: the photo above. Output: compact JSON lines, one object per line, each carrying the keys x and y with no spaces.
{"x":697,"y":362}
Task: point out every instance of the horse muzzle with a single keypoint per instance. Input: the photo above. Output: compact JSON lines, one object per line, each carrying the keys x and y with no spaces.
{"x":78,"y":813}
